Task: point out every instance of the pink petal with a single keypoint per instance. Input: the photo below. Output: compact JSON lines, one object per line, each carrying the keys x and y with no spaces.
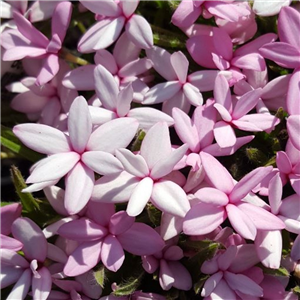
{"x":147,"y":117}
{"x":55,"y":195}
{"x":262,"y":219}
{"x":224,"y":113}
{"x":106,"y":87}
{"x":141,"y":239}
{"x":173,"y":253}
{"x":275,"y":193}
{"x":42,"y":138}
{"x":150,"y":263}
{"x":79,"y":187}
{"x":167,"y":164}
{"x":178,"y":100}
{"x":136,"y":67}
{"x":88,"y":288}
{"x":226,"y":258}
{"x":223,"y":291}
{"x":293,"y":94}
{"x":203,"y":218}
{"x":133,"y":164}
{"x":53,"y":167}
{"x":288,"y":21}
{"x":268,"y":246}
{"x":211,"y":283}
{"x":112,"y":254}
{"x":139,"y":197}
{"x":101,"y":115}
{"x":25,"y":230}
{"x":222,"y":93}
{"x":82,"y":230}
{"x":80,"y":128}
{"x":49,"y":69}
{"x":9,"y":275}
{"x":80,"y":78}
{"x":124,"y":100}
{"x":10,"y":243}
{"x":12,"y":259}
{"x":221,"y":37}
{"x":21,"y":288}
{"x":101,"y":162}
{"x":212,"y":196}
{"x":166,"y":278}
{"x":114,"y":134}
{"x":257,"y":122}
{"x":296,"y":249}
{"x":217,"y":174}
{"x":283,"y":163}
{"x":128,"y":7}
{"x":52,"y":229}
{"x":161,"y":60}
{"x":293,"y":126}
{"x":139,"y":32}
{"x":120,"y":222}
{"x":170,"y":198}
{"x":114,"y":188}
{"x":8,"y":214}
{"x":101,"y":213}
{"x":251,"y":61}
{"x":41,"y":286}
{"x":162,"y":92}
{"x":156,"y":144}
{"x":241,"y":222}
{"x":248,"y":182}
{"x":170,"y":226}
{"x":108,"y":8}
{"x":61,"y":19}
{"x":193,"y":94}
{"x":290,"y":207}
{"x":182,"y":277}
{"x":107,"y":60}
{"x":180,"y":65}
{"x":85,"y":257}
{"x":246,"y":103}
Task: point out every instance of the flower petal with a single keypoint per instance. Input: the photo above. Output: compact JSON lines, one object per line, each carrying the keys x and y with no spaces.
{"x":41,"y":285}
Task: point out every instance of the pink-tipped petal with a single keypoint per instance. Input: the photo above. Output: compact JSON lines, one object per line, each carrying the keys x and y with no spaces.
{"x":79,"y":187}
{"x":139,"y":32}
{"x":212,"y":196}
{"x":42,"y":138}
{"x":224,"y":134}
{"x":251,"y":61}
{"x":150,"y":263}
{"x":180,"y":65}
{"x":283,"y":162}
{"x":80,"y":128}
{"x":112,"y":254}
{"x":124,"y":100}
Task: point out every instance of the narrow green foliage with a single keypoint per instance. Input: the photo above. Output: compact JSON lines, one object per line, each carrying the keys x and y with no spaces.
{"x":199,"y":284}
{"x":10,"y":141}
{"x":256,"y":156}
{"x":129,"y":286}
{"x":282,"y":272}
{"x":154,"y":214}
{"x":29,"y":203}
{"x":296,"y":290}
{"x":136,"y":145}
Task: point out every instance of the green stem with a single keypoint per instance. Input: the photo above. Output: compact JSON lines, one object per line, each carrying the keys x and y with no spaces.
{"x":65,"y":54}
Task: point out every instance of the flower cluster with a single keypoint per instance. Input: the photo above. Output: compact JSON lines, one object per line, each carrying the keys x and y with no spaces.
{"x":166,"y":150}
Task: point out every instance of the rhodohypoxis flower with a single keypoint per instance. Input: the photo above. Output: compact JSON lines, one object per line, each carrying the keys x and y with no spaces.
{"x":116,"y":103}
{"x":27,"y":41}
{"x":188,"y":11}
{"x":29,"y":270}
{"x":233,"y":274}
{"x":112,"y":16}
{"x":77,"y":155}
{"x":103,"y":234}
{"x":179,"y":90}
{"x":45,"y":103}
{"x":124,"y":64}
{"x":143,"y":176}
{"x":226,"y":199}
{"x":206,"y":51}
{"x":269,"y":243}
{"x":171,"y":272}
{"x":235,"y":116}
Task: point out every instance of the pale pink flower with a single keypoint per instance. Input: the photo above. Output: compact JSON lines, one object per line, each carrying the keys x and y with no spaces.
{"x":188,"y":11}
{"x":103,"y":235}
{"x":78,"y":155}
{"x":179,"y":90}
{"x":124,"y":64}
{"x":143,"y":176}
{"x":234,"y":115}
{"x":27,"y":41}
{"x":266,"y":8}
{"x":112,"y":17}
{"x":227,"y":200}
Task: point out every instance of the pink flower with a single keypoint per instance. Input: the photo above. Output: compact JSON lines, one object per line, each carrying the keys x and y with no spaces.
{"x":102,"y":235}
{"x":112,"y":17}
{"x":269,"y":8}
{"x":27,"y":41}
{"x":77,"y":155}
{"x":226,"y":199}
{"x":143,"y":176}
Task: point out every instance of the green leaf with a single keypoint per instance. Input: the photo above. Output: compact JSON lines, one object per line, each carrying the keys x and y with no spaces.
{"x":199,"y":284}
{"x":100,"y":276}
{"x":29,"y":203}
{"x":282,"y":272}
{"x":129,"y":285}
{"x":296,"y":290}
{"x":11,"y":142}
